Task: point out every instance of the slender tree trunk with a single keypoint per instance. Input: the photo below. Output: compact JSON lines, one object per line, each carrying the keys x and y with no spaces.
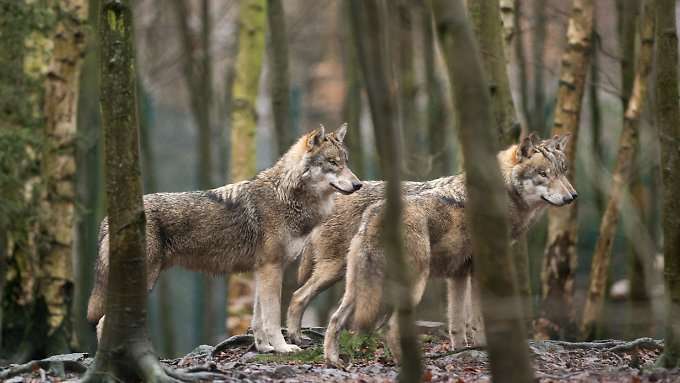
{"x":557,"y":317}
{"x":351,"y":109}
{"x":370,"y":22}
{"x":125,"y":351}
{"x":537,"y":119}
{"x":596,"y":115}
{"x":668,"y":118}
{"x":280,"y":85}
{"x":88,"y":185}
{"x":621,"y":176}
{"x":251,"y":46}
{"x":486,"y":204}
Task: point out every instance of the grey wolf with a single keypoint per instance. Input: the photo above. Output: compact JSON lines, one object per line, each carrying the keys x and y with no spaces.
{"x":256,"y":225}
{"x":437,"y":241}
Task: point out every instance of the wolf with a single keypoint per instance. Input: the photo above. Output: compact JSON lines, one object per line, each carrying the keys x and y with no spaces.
{"x":437,"y":240}
{"x":255,"y":225}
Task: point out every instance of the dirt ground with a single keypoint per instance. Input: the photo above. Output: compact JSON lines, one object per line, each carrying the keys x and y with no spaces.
{"x":369,"y":361}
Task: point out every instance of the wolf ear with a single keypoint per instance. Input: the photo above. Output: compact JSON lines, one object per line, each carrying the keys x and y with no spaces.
{"x":316,"y":137}
{"x":561,"y":142}
{"x":341,"y":132}
{"x":526,"y":147}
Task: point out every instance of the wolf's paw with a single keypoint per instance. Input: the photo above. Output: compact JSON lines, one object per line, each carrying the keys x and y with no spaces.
{"x":296,"y":338}
{"x":264,"y":348}
{"x":287,"y":348}
{"x":457,"y":341}
{"x":335,"y":362}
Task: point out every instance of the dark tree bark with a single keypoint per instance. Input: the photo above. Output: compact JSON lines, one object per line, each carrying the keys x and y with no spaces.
{"x":537,"y":119}
{"x":486,"y":198}
{"x":557,"y":318}
{"x":370,"y":24}
{"x":280,"y":84}
{"x":621,"y":176}
{"x":668,"y":120}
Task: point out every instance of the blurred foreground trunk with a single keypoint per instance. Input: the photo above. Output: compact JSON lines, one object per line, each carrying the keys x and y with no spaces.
{"x":628,"y":143}
{"x":486,"y":204}
{"x":251,"y":46}
{"x":557,"y":318}
{"x":370,"y":23}
{"x":280,"y":83}
{"x":668,"y":119}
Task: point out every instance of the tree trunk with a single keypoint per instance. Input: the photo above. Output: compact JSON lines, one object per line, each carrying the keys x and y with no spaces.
{"x":125,"y":351}
{"x":88,"y":181}
{"x":438,"y":116}
{"x":280,"y":85}
{"x":537,"y":119}
{"x":596,"y":115}
{"x":486,"y":204}
{"x":486,"y":18}
{"x":351,"y":108}
{"x":557,"y":318}
{"x":668,"y":120}
{"x":38,"y":265}
{"x":621,"y":176}
{"x":370,"y":23}
{"x":251,"y":47}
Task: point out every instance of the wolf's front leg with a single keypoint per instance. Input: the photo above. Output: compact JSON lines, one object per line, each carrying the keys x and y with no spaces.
{"x":456,"y":288}
{"x":268,"y":281}
{"x":261,"y":341}
{"x":476,"y":337}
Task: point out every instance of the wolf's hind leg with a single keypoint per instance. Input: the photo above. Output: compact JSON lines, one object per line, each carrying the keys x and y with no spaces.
{"x":456,"y":288}
{"x":323,"y":276}
{"x":338,"y":322}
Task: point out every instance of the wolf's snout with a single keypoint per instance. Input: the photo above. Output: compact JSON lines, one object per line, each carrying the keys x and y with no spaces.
{"x":357,"y":185}
{"x":574,"y":195}
{"x":567,"y":200}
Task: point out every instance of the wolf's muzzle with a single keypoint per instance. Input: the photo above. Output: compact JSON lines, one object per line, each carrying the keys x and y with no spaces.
{"x":357,"y":185}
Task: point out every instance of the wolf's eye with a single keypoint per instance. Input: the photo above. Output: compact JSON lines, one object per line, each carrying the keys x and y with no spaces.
{"x":333,"y":162}
{"x":542,"y":173}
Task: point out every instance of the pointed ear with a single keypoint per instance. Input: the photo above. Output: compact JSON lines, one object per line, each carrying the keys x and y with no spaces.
{"x":341,"y":132}
{"x":316,"y":137}
{"x":561,"y":142}
{"x":526,"y":147}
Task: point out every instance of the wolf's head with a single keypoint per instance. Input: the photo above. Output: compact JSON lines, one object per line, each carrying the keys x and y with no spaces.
{"x":325,"y":161}
{"x":539,"y":171}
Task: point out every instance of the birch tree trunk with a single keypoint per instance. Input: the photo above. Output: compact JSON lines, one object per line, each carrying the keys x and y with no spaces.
{"x":58,"y":168}
{"x":486,"y":204}
{"x":557,"y":318}
{"x":251,"y":46}
{"x":370,"y":20}
{"x":668,"y":118}
{"x":621,"y":176}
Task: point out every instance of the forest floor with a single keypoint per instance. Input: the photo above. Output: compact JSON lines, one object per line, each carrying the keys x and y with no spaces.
{"x":369,"y":361}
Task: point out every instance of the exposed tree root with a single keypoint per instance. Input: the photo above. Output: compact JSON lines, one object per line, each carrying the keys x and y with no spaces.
{"x":611,"y":345}
{"x":59,"y":366}
{"x":233,"y":342}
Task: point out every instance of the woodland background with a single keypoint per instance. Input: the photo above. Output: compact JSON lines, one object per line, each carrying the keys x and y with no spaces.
{"x":196,"y":135}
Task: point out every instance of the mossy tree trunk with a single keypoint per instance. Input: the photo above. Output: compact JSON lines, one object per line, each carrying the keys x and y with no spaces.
{"x":537,"y":117}
{"x":486,"y":204}
{"x":557,"y":318}
{"x":621,"y":176}
{"x":42,"y":53}
{"x":124,"y":351}
{"x":370,"y":23}
{"x":251,"y":47}
{"x":668,"y":119}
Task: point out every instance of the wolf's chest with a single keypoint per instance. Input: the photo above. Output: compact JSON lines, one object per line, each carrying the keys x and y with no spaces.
{"x":294,"y":246}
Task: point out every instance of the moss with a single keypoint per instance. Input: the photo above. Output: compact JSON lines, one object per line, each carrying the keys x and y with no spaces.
{"x":308,"y":355}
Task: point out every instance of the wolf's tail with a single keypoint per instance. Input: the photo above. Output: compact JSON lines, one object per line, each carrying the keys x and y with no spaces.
{"x":365,"y":278}
{"x":95,"y":305}
{"x":306,"y":263}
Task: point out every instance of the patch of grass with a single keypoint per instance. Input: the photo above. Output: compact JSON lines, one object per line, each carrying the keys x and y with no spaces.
{"x":362,"y":346}
{"x":312,"y":354}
